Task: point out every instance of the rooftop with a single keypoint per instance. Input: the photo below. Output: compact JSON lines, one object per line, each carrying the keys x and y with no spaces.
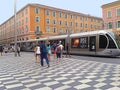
{"x":110,"y":4}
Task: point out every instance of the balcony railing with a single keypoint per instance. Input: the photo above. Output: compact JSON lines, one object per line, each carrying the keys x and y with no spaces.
{"x":38,"y":32}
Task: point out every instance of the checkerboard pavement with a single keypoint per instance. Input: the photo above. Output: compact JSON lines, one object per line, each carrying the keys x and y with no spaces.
{"x":22,"y":73}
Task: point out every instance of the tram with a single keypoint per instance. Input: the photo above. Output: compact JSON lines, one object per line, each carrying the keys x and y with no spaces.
{"x":98,"y":43}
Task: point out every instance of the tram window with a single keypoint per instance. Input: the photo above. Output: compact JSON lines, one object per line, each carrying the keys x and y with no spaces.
{"x":83,"y":42}
{"x":75,"y":42}
{"x":51,"y":42}
{"x":111,"y":42}
{"x":63,"y":42}
{"x":102,"y":42}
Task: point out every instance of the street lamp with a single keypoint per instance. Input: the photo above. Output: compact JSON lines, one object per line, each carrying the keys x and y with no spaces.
{"x":15,"y":32}
{"x":68,"y":36}
{"x":47,"y":41}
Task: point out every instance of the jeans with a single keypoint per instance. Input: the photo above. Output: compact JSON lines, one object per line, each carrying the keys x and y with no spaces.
{"x":44,"y":56}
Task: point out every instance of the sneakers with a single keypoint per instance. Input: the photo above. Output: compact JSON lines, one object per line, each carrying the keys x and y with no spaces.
{"x":48,"y":66}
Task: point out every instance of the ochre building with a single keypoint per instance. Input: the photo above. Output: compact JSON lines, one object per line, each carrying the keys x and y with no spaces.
{"x":37,"y":21}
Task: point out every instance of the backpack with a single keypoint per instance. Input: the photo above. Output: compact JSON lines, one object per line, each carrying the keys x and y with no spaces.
{"x":58,"y":50}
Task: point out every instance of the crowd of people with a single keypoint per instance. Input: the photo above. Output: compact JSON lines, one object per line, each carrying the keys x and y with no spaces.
{"x":6,"y":49}
{"x":44,"y":51}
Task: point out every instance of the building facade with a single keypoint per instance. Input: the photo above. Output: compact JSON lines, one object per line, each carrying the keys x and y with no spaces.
{"x":36,"y":21}
{"x":111,"y":15}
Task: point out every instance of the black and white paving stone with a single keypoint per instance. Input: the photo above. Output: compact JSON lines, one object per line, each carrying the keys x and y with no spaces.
{"x":22,"y":73}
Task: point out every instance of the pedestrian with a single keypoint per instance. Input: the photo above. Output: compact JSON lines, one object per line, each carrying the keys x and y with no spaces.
{"x":5,"y":49}
{"x":44,"y":53}
{"x":18,"y":50}
{"x":54,"y":50}
{"x":49,"y":51}
{"x":61,"y":47}
{"x":67,"y":50}
{"x":37,"y":53}
{"x":1,"y":50}
{"x":58,"y":53}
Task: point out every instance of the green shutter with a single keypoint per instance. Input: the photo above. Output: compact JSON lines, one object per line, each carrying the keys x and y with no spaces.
{"x":118,"y":12}
{"x":116,"y":25}
{"x":109,"y":14}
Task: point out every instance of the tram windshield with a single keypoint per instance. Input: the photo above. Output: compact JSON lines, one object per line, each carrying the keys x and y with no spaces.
{"x":116,"y":36}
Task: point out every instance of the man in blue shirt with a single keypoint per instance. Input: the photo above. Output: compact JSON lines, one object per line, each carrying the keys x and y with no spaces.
{"x":44,"y":54}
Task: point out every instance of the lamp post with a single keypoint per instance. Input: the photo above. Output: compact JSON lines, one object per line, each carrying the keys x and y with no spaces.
{"x":68,"y":37}
{"x":68,"y":42}
{"x":15,"y":32}
{"x":47,"y":41}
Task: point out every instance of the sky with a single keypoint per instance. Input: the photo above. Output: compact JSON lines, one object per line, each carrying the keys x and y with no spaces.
{"x":91,"y":7}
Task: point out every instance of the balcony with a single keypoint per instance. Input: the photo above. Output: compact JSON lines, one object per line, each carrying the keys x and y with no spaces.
{"x":37,"y":32}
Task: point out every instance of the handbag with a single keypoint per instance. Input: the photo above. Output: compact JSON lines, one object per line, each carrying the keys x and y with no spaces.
{"x":49,"y":52}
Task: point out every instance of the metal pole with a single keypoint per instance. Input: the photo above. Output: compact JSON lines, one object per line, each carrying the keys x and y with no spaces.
{"x":68,"y":41}
{"x":15,"y":32}
{"x":47,"y":41}
{"x":68,"y":32}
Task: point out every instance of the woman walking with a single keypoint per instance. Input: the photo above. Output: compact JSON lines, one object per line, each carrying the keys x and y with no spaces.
{"x":58,"y":53}
{"x":37,"y":53}
{"x":49,"y":51}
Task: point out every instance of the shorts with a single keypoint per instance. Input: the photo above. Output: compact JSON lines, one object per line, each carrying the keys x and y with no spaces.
{"x":58,"y":55}
{"x":54,"y":51}
{"x":37,"y":54}
{"x":67,"y":52}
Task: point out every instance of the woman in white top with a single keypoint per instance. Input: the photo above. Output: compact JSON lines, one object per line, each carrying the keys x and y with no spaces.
{"x":37,"y":53}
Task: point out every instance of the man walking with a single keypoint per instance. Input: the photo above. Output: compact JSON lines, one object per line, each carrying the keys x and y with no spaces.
{"x":44,"y":54}
{"x":18,"y":50}
{"x":1,"y":50}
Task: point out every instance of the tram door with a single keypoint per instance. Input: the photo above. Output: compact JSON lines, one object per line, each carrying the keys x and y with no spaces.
{"x":92,"y":43}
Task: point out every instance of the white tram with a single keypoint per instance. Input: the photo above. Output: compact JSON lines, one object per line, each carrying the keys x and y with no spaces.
{"x":100,"y":43}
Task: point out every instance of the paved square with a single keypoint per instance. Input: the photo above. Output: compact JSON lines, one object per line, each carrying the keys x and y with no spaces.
{"x":22,"y":73}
